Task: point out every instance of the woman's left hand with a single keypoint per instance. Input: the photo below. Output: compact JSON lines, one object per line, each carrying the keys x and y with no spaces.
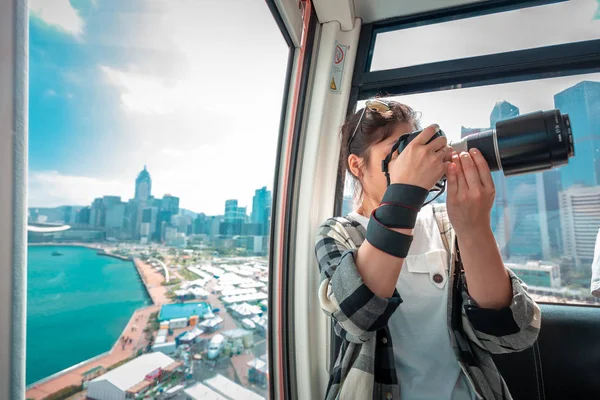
{"x":471,"y":193}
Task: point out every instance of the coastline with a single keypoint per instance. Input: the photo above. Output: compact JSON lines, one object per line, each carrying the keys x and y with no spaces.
{"x":100,"y":249}
{"x":152,"y":281}
{"x":73,"y":375}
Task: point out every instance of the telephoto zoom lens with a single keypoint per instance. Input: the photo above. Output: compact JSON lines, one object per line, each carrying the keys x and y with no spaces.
{"x":528,"y":143}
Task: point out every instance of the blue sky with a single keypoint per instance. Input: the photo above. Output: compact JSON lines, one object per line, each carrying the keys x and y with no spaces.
{"x":178,"y":86}
{"x":193,"y":90}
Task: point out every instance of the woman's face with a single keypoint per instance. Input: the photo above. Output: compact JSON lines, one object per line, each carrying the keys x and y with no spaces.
{"x":373,"y":180}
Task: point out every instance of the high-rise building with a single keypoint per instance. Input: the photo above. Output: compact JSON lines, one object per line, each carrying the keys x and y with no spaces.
{"x":235,"y":217}
{"x":230,"y":209}
{"x":552,"y":188}
{"x":143,"y":185}
{"x":170,"y":204}
{"x":83,"y":216}
{"x":168,"y":207}
{"x":200,"y":224}
{"x":181,"y":223}
{"x":580,"y":220}
{"x":132,"y":219}
{"x":97,"y":214}
{"x":261,"y":210}
{"x":582,"y":103}
{"x":213,"y":224}
{"x":148,"y":225}
{"x":115,"y":216}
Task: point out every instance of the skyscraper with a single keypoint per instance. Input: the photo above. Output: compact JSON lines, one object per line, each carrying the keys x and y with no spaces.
{"x":200,"y":224}
{"x":235,"y":217}
{"x":582,"y":103}
{"x":261,"y":209}
{"x":580,"y":218}
{"x":552,"y":189}
{"x":143,"y":185}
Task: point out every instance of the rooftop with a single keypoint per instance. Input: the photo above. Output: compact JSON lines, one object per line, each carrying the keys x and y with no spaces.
{"x":200,"y":391}
{"x":130,"y":374}
{"x":230,"y":389}
{"x":183,"y":310}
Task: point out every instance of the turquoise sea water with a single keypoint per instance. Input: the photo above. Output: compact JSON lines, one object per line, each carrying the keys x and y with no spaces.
{"x":77,"y":306}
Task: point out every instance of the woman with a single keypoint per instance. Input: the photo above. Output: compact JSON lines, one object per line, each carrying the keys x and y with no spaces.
{"x":437,"y":344}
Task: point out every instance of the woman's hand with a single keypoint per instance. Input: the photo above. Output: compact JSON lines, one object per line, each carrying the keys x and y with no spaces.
{"x":471,"y":193}
{"x":421,"y":163}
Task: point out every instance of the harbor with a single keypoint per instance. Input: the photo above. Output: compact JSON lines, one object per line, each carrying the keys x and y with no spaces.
{"x":74,"y":376}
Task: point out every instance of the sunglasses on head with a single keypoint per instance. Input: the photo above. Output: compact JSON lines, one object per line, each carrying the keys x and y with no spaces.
{"x":378,"y":106}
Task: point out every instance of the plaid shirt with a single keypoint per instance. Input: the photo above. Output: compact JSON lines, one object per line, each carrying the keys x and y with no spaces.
{"x":365,"y":366}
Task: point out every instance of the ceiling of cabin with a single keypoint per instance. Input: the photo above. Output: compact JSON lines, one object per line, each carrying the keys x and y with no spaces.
{"x":377,"y":10}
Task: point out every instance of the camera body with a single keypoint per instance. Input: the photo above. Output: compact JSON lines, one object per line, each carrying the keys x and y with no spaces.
{"x":404,"y":140}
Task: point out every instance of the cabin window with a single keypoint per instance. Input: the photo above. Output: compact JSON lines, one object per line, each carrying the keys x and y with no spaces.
{"x":428,"y":41}
{"x":153,"y":131}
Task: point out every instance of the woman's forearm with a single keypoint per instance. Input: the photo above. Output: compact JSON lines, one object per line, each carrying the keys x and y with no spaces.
{"x":378,"y":269}
{"x":487,"y":279}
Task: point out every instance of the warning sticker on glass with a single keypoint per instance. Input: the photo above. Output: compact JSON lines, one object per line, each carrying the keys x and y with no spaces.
{"x":337,"y":67}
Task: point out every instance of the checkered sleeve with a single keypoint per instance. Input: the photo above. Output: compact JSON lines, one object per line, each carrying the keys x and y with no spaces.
{"x":342,"y":293}
{"x":513,"y":328}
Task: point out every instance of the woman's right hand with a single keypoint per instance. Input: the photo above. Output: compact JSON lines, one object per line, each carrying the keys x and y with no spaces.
{"x":421,"y":163}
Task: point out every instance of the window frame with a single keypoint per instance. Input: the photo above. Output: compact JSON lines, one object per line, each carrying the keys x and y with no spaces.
{"x":282,"y":381}
{"x":516,"y":66}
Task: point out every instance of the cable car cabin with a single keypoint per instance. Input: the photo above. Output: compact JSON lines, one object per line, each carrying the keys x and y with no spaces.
{"x":92,"y":92}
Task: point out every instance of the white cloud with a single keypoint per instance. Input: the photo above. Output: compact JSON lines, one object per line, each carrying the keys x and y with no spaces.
{"x":175,"y":153}
{"x":50,"y":92}
{"x":59,"y":13}
{"x":146,"y":94}
{"x":52,"y":189}
{"x":201,"y":109}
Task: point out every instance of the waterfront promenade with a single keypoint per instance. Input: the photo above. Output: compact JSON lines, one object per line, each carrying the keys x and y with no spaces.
{"x":117,"y":353}
{"x":134,"y":330}
{"x":153,"y":280}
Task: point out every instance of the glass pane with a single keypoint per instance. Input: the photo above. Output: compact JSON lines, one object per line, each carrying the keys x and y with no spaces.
{"x":545,"y":223}
{"x":149,"y":210}
{"x":527,"y":28}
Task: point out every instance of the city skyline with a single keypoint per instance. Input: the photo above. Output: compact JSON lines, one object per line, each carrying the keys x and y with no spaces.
{"x":193,"y":210}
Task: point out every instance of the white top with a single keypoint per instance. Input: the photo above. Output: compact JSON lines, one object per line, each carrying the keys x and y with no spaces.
{"x":426,"y":365}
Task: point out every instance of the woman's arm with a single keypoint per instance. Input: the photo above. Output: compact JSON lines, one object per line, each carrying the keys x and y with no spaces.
{"x":379,"y":270}
{"x":343,"y":294}
{"x":498,"y":314}
{"x":487,"y":279}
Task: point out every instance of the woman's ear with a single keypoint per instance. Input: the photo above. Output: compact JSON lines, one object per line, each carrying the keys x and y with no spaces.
{"x":355,"y":163}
